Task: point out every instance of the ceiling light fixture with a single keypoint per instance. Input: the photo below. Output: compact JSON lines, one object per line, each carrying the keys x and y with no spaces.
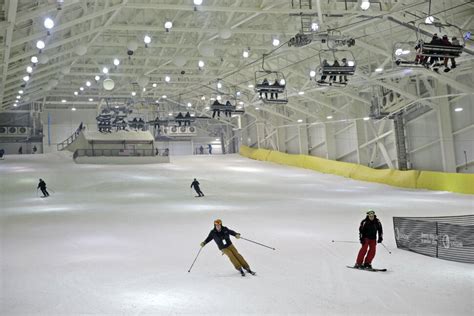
{"x":81,"y":88}
{"x":134,"y":93}
{"x":365,"y":5}
{"x":26,"y":78}
{"x":147,"y":40}
{"x":168,"y":25}
{"x":73,"y":109}
{"x":29,"y":69}
{"x":429,"y":19}
{"x":40,"y":45}
{"x":167,"y":78}
{"x":63,"y":100}
{"x":366,"y":118}
{"x":76,"y":93}
{"x":312,"y":73}
{"x":329,"y":117}
{"x":88,"y":83}
{"x":458,"y":109}
{"x":116,"y":61}
{"x":105,"y":70}
{"x":20,"y":91}
{"x":200,"y":64}
{"x":276,"y":42}
{"x":34,"y":60}
{"x":97,"y":78}
{"x":49,"y":24}
{"x":246,"y":54}
{"x":154,"y":85}
{"x":314,"y":26}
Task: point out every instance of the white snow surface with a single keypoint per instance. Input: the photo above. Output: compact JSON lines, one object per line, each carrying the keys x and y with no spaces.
{"x":119,"y":240}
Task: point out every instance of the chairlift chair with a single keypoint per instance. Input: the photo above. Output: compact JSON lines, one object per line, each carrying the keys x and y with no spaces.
{"x":275,"y":85}
{"x":327,"y":70}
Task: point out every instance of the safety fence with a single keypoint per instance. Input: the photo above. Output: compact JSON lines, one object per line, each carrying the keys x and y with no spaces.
{"x":115,"y":152}
{"x":448,"y":237}
{"x":416,"y":179}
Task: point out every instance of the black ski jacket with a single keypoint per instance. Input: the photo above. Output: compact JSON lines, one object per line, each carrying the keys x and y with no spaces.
{"x":195,"y":184}
{"x":42,"y":185}
{"x":368,"y":229}
{"x":221,"y":238}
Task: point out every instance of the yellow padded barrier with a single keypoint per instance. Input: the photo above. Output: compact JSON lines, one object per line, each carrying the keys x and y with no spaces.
{"x":405,"y":179}
{"x":454,"y":182}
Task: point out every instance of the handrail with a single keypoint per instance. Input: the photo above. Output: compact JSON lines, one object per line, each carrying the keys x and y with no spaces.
{"x":62,"y":145}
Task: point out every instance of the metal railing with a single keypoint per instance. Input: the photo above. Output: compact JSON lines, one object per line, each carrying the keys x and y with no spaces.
{"x":114,"y":153}
{"x":62,"y":145}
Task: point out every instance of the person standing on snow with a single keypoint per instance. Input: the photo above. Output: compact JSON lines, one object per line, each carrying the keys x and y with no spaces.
{"x":195,"y":184}
{"x":42,"y":186}
{"x":368,"y":230}
{"x":221,"y":236}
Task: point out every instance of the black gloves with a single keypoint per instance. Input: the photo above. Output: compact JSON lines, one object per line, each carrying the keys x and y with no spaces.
{"x":380,"y":239}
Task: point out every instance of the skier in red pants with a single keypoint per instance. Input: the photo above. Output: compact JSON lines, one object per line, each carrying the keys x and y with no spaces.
{"x":368,"y":230}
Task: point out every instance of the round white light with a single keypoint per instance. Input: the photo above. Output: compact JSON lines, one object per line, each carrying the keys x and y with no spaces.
{"x":34,"y":60}
{"x":63,"y":101}
{"x":97,"y":78}
{"x":147,"y":39}
{"x":366,"y":118}
{"x":207,"y":108}
{"x":300,"y":121}
{"x":164,"y":96}
{"x":203,"y":98}
{"x":219,"y":85}
{"x":116,"y":61}
{"x":218,"y":98}
{"x":312,"y":73}
{"x":350,"y":63}
{"x":189,"y":104}
{"x":90,"y":99}
{"x":108,"y":84}
{"x":18,"y":97}
{"x":134,"y":93}
{"x":88,"y":83}
{"x":20,"y":91}
{"x":458,"y":109}
{"x":167,"y":79}
{"x":329,"y":117}
{"x":398,"y":51}
{"x":81,"y":88}
{"x":40,"y":44}
{"x":15,"y":105}
{"x":238,"y":93}
{"x":365,"y":4}
{"x":250,"y":86}
{"x":429,"y":20}
{"x":170,"y":114}
{"x":241,"y":102}
{"x":314,"y":26}
{"x":378,"y":69}
{"x":26,"y":78}
{"x":257,"y":109}
{"x":301,"y":92}
{"x":73,"y":109}
{"x":105,"y":70}
{"x":154,"y":85}
{"x":197,"y":2}
{"x":245,"y":54}
{"x":144,"y":89}
{"x":168,"y":24}
{"x":76,"y":93}
{"x":276,"y":42}
{"x":200,"y":64}
{"x":29,"y":69}
{"x":282,"y":82}
{"x":48,"y":23}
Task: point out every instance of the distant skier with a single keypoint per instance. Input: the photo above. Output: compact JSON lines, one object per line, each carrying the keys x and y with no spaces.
{"x":195,"y":184}
{"x":368,"y":230}
{"x":2,"y":152}
{"x":42,"y":186}
{"x":209,"y":149}
{"x":20,"y":150}
{"x":221,"y":236}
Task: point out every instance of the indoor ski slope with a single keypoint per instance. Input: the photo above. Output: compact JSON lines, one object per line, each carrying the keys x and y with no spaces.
{"x":119,"y":240}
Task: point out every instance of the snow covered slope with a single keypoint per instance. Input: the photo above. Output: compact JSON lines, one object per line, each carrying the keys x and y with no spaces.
{"x":119,"y":240}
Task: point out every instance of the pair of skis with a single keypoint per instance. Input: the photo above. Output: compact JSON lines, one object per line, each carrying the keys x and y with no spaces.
{"x":368,"y":269}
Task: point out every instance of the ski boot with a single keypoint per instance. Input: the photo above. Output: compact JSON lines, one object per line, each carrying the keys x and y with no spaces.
{"x":358,"y":266}
{"x":367,"y":266}
{"x":242,"y":272}
{"x":250,"y":271}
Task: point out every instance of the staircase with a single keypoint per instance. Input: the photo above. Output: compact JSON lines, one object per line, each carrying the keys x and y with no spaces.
{"x":400,"y":141}
{"x":63,"y":145}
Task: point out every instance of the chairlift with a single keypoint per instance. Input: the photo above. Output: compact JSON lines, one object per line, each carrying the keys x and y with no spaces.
{"x":427,"y":51}
{"x":273,"y":84}
{"x":346,"y":66}
{"x":228,"y":105}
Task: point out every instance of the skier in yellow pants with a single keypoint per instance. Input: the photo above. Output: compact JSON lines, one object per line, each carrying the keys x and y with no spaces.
{"x":221,"y":236}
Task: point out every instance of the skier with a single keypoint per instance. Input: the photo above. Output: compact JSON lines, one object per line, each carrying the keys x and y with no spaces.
{"x":368,"y":230}
{"x":221,"y":236}
{"x":42,"y":186}
{"x":209,"y":149}
{"x":195,"y":184}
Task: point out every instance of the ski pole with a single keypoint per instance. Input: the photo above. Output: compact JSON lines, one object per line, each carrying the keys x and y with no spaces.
{"x":195,"y":259}
{"x":386,"y":248}
{"x":348,"y":241}
{"x":257,"y":243}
